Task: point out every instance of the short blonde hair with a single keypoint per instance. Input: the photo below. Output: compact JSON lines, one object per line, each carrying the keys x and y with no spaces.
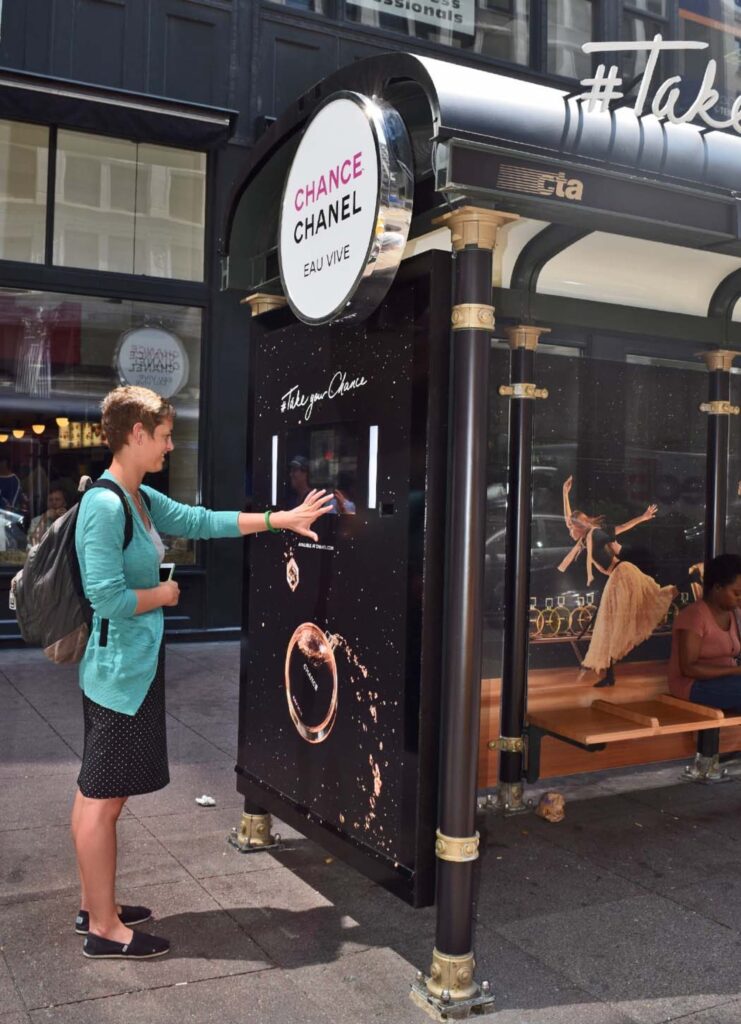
{"x":125,"y":406}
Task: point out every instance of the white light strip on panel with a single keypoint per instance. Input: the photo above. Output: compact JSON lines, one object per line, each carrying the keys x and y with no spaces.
{"x":274,"y":480}
{"x":372,"y":466}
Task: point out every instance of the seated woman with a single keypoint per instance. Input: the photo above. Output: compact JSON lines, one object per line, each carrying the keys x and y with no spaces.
{"x":706,"y":641}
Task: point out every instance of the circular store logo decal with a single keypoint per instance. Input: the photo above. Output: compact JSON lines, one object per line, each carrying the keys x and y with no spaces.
{"x":346,"y":210}
{"x":152,"y":358}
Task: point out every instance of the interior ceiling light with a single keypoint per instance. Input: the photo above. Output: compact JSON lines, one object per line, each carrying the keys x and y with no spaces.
{"x":18,"y":434}
{"x":38,"y":428}
{"x":3,"y":438}
{"x":62,"y":421}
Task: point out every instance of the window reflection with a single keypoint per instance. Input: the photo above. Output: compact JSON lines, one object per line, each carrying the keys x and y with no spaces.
{"x":59,"y":355}
{"x":129,"y":208}
{"x":24,"y":157}
{"x":569,"y":27}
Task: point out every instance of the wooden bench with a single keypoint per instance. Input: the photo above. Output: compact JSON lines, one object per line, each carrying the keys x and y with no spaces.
{"x":592,"y":728}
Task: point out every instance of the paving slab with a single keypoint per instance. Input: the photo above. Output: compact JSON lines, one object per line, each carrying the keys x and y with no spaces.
{"x":723,"y":1013}
{"x":29,"y":802}
{"x":516,"y":880}
{"x":650,"y":958}
{"x":293,"y":922}
{"x":10,"y":1000}
{"x":265,"y":997}
{"x":219,"y":727}
{"x":652,"y":849}
{"x":38,"y":862}
{"x":38,"y":751}
{"x":717,"y":899}
{"x":187,"y":781}
{"x":198,"y":839}
{"x":45,"y":956}
{"x":186,"y":746}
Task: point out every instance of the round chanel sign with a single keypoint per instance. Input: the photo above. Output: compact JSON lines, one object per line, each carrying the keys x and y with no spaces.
{"x":346,"y":210}
{"x":152,"y":358}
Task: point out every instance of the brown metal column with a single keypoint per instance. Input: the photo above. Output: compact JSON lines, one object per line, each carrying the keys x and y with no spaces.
{"x":719,"y":410}
{"x":522,"y":393}
{"x":451,"y":976}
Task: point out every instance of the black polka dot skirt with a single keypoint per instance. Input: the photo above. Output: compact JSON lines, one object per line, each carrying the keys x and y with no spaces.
{"x":126,"y":755}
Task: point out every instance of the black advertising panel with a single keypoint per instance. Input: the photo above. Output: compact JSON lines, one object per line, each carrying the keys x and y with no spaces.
{"x":340,"y":670}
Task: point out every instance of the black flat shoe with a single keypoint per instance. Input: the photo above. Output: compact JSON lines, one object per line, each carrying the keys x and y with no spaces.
{"x":141,"y":947}
{"x":128,"y":916}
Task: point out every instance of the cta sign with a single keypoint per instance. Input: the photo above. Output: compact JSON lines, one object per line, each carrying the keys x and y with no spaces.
{"x":346,"y":210}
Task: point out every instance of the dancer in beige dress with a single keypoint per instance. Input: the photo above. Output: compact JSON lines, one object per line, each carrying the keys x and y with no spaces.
{"x":632,"y":604}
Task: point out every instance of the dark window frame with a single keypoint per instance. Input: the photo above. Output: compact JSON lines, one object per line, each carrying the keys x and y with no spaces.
{"x":78,"y":281}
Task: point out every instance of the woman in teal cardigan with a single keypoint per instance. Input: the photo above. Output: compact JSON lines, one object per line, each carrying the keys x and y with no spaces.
{"x":122,"y":670}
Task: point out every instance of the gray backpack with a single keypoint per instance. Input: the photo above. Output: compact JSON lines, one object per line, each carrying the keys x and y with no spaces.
{"x":47,"y":594}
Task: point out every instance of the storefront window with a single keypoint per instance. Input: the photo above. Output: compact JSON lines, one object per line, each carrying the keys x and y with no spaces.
{"x":642,"y":20}
{"x":569,"y":27}
{"x":59,"y":355}
{"x":24,"y":158}
{"x":496,"y":28}
{"x":129,"y":208}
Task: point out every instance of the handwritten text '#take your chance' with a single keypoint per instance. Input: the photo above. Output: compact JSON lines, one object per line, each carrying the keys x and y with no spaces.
{"x":339,"y":385}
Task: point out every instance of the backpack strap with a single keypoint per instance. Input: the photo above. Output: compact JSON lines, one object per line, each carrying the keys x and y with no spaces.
{"x":110,"y":485}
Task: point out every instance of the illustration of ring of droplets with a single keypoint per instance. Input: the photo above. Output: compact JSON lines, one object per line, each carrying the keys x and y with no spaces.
{"x":360,"y":698}
{"x":368,"y":712}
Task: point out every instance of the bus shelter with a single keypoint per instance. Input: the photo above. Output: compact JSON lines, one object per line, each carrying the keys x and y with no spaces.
{"x":544,"y":320}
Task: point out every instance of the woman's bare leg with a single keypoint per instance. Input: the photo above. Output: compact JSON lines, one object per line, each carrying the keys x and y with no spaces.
{"x":94,"y":833}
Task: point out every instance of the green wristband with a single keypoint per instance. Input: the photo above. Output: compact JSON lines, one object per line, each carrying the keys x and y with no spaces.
{"x":267,"y":522}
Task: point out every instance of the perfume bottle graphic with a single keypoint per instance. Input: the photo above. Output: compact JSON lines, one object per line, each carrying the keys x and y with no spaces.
{"x":311,"y":682}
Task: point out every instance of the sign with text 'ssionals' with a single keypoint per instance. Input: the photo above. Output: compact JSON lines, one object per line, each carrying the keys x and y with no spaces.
{"x":346,"y":210}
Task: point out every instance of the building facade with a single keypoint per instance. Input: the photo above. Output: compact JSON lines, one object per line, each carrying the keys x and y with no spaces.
{"x":125,"y":130}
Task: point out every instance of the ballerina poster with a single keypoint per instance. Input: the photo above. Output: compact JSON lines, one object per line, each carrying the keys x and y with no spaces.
{"x":632,"y":604}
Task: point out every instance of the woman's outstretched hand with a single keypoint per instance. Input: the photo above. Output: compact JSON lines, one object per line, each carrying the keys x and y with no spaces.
{"x":567,"y":485}
{"x":650,"y":513}
{"x":299,"y":519}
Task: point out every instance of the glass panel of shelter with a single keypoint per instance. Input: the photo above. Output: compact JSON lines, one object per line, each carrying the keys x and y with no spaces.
{"x":628,"y":429}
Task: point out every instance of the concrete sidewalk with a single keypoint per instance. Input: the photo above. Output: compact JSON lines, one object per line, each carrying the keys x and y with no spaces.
{"x":629,"y":910}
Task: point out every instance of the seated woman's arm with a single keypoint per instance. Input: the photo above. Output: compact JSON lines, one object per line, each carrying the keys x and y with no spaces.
{"x":690,"y":664}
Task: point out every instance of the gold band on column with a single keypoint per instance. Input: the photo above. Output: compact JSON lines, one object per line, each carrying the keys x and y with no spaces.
{"x":455,"y":848}
{"x":474,"y":225}
{"x":254,"y":832}
{"x":525,"y":335}
{"x":262,"y":302}
{"x":452,"y":974}
{"x":472,"y":316}
{"x":719,"y":359}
